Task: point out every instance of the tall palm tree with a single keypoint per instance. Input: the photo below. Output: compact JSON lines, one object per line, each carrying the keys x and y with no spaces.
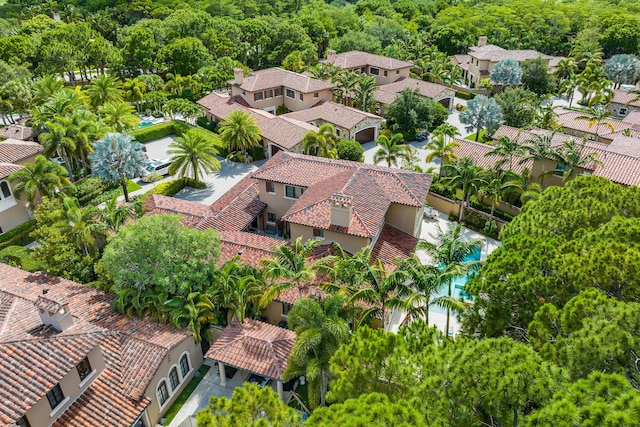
{"x":450,"y":252}
{"x":193,"y":154}
{"x":41,"y":178}
{"x":568,"y":87}
{"x":114,"y":214}
{"x":493,"y":189}
{"x":80,"y":223}
{"x":565,"y":68}
{"x":597,"y":115}
{"x":508,"y":150}
{"x":119,"y":115}
{"x":464,"y":175}
{"x":62,"y":103}
{"x":134,"y":91}
{"x":449,"y":131}
{"x":289,"y":268}
{"x":346,"y":82}
{"x":521,"y":185}
{"x":239,"y":288}
{"x":239,"y":131}
{"x":196,"y":312}
{"x":175,"y":84}
{"x":322,"y":143}
{"x":320,"y":331}
{"x":324,"y":71}
{"x":391,"y":150}
{"x":104,"y":89}
{"x":538,"y":148}
{"x":57,"y":143}
{"x":571,"y":156}
{"x":362,"y":92}
{"x":45,"y":87}
{"x":441,"y":149}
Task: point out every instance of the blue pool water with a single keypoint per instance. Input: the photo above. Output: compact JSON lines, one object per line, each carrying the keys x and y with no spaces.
{"x":145,"y":124}
{"x":457,"y":285}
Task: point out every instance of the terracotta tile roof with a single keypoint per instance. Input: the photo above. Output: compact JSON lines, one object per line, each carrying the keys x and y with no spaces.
{"x":336,"y":114}
{"x":251,"y":247}
{"x":290,"y":296}
{"x":495,"y":53}
{"x":283,"y":132}
{"x":277,"y":77}
{"x":568,"y":119}
{"x":254,"y":346}
{"x":357,"y":59}
{"x":633,"y":117}
{"x":626,"y":98}
{"x":33,"y":357}
{"x":7,"y":169}
{"x":17,"y":131}
{"x":426,"y":89}
{"x":477,"y":151}
{"x":13,"y":150}
{"x":391,"y":244}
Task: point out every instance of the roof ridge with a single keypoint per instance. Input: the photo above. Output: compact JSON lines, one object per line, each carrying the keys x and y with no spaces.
{"x":402,"y":183}
{"x":55,"y":337}
{"x":5,"y":322}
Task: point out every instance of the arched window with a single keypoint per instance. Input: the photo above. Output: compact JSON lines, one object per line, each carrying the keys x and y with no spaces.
{"x":162,"y":392}
{"x":174,"y":381}
{"x":185,"y":367}
{"x":5,"y":190}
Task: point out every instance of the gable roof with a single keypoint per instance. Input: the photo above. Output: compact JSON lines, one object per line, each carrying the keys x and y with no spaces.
{"x":626,"y":98}
{"x":356,"y":59}
{"x":477,"y":151}
{"x":254,"y":346}
{"x":391,"y":244}
{"x":426,"y":89}
{"x":33,"y":357}
{"x":331,"y":112}
{"x":495,"y":53}
{"x":569,"y":119}
{"x":13,"y":150}
{"x":7,"y":169}
{"x":275,"y":77}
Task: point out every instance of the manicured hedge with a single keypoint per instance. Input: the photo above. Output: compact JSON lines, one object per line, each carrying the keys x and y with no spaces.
{"x":19,"y":236}
{"x":151,"y":133}
{"x":465,"y":95}
{"x":171,"y":188}
{"x":89,"y":189}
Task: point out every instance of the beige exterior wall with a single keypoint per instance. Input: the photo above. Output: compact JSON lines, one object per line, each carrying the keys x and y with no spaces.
{"x":274,"y":313}
{"x":293,"y":104}
{"x":405,"y":218}
{"x":154,"y":411}
{"x":276,"y":203}
{"x":349,"y":243}
{"x":41,"y":413}
{"x":13,"y":216}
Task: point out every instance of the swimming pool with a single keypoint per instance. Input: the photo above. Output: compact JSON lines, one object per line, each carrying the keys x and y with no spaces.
{"x":145,"y":124}
{"x":456,"y":287}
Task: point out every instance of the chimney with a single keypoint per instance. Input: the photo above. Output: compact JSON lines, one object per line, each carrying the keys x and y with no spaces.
{"x":341,"y":210}
{"x":331,"y":56}
{"x":238,"y":76}
{"x":482,"y":41}
{"x":54,"y":312}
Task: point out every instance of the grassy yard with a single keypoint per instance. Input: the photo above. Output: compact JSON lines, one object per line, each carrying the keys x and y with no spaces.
{"x":24,"y":255}
{"x":175,"y":407}
{"x":472,"y":137}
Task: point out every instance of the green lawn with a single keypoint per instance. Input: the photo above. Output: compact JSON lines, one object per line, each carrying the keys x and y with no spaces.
{"x":175,"y":407}
{"x":24,"y":255}
{"x":472,"y":137}
{"x":132,"y":186}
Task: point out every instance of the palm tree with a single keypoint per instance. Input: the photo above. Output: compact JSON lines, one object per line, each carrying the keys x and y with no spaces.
{"x":288,"y":268}
{"x":596,"y":116}
{"x":196,"y":311}
{"x":391,"y":150}
{"x":57,"y":143}
{"x":507,"y":149}
{"x":320,"y":331}
{"x":193,"y":154}
{"x":362,"y":92}
{"x":322,"y":143}
{"x":116,"y":158}
{"x":104,"y":89}
{"x":571,"y":156}
{"x":450,"y":252}
{"x":41,"y":178}
{"x":324,"y":71}
{"x":346,"y":82}
{"x":565,"y":69}
{"x":493,"y":189}
{"x":80,"y":223}
{"x":521,"y":185}
{"x":134,"y":90}
{"x":447,"y":130}
{"x":45,"y":88}
{"x":539,"y":148}
{"x":114,"y":214}
{"x":239,"y":131}
{"x":119,"y":115}
{"x":568,"y":86}
{"x":62,"y":103}
{"x":445,"y":151}
{"x":239,"y":288}
{"x":175,"y":84}
{"x":464,"y":175}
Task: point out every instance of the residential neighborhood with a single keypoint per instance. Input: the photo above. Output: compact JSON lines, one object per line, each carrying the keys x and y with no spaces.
{"x":286,"y":214}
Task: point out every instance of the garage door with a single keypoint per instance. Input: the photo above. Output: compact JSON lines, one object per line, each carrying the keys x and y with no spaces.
{"x":365,"y":135}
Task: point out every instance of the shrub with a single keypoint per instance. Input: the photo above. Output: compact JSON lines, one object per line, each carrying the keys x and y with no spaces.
{"x":151,"y":133}
{"x":171,"y":188}
{"x":281,"y":110}
{"x":465,"y":95}
{"x":89,"y":189}
{"x":257,"y":153}
{"x":152,"y":177}
{"x":19,"y":236}
{"x":205,"y":123}
{"x":350,"y":150}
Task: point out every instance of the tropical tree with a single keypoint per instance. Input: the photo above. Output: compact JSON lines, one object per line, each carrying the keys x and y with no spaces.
{"x":362,"y":92}
{"x":450,"y":252}
{"x":41,"y":178}
{"x":538,"y":148}
{"x":45,"y":88}
{"x":320,"y":331}
{"x":445,"y":151}
{"x":104,"y":89}
{"x":507,"y":150}
{"x":507,"y":73}
{"x":239,"y":131}
{"x":115,"y":214}
{"x":196,"y":312}
{"x":116,"y":158}
{"x":411,"y":112}
{"x":80,"y":223}
{"x":596,"y":115}
{"x":565,"y":68}
{"x":193,"y":154}
{"x":134,"y":91}
{"x":239,"y":288}
{"x":119,"y":115}
{"x":57,"y":143}
{"x":391,"y":150}
{"x":621,"y":69}
{"x":322,"y":143}
{"x":289,"y":268}
{"x":464,"y":175}
{"x":446,"y":129}
{"x":572,"y":156}
{"x":346,"y":82}
{"x":481,"y":113}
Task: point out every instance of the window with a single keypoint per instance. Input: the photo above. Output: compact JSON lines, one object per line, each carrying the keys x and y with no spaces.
{"x":271,"y":188}
{"x":290,"y":93}
{"x":301,"y":97}
{"x":397,"y":72}
{"x":374,"y":71}
{"x":293,"y":192}
{"x":268,"y":94}
{"x":315,"y":95}
{"x":318,"y":233}
{"x":285,"y":308}
{"x":84,"y":368}
{"x":5,"y":191}
{"x":257,"y":96}
{"x":385,"y":73}
{"x":163,"y":392}
{"x":173,"y":378}
{"x":623,"y":111}
{"x":55,"y":396}
{"x":560,"y":168}
{"x":184,"y":365}
{"x":271,"y":217}
{"x":278,"y":91}
{"x":23,"y":422}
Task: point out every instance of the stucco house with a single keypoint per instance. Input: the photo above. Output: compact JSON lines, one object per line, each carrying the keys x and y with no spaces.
{"x":270,"y":88}
{"x":577,"y":124}
{"x":13,"y":154}
{"x":384,"y":69}
{"x":68,"y":360}
{"x":623,"y":103}
{"x":388,"y":93}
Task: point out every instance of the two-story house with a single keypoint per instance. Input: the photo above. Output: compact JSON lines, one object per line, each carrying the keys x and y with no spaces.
{"x":13,"y":154}
{"x":623,"y":103}
{"x":66,"y":359}
{"x":384,"y":69}
{"x":274,"y":87}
